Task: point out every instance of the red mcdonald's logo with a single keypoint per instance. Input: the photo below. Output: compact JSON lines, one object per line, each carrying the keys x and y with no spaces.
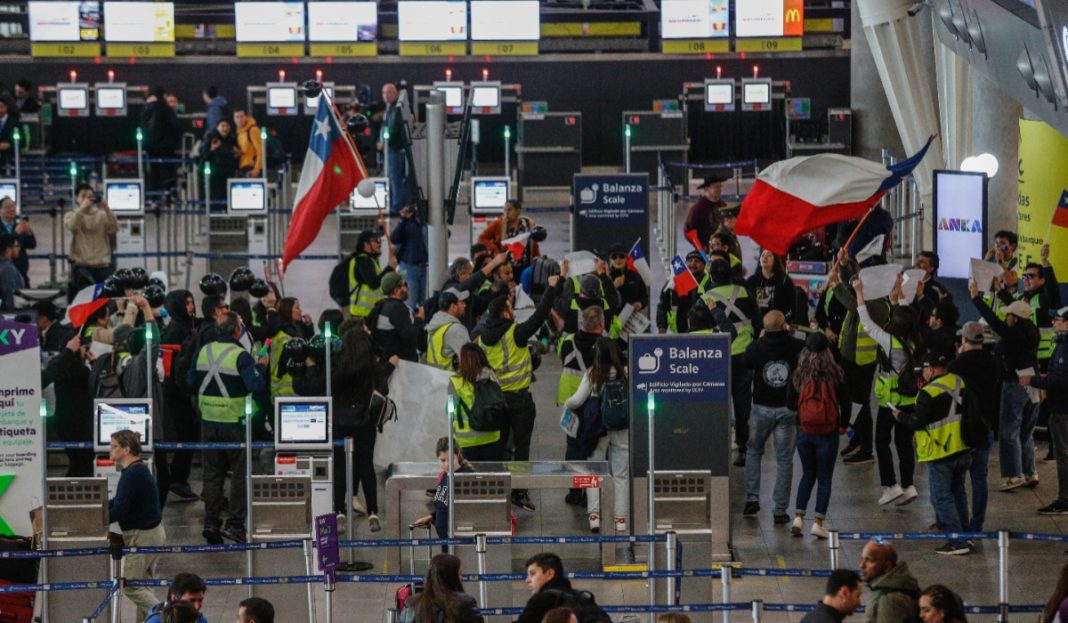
{"x":793,"y":18}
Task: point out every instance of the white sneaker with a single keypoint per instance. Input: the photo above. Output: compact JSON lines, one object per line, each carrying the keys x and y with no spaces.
{"x":797,"y":526}
{"x":358,"y":507}
{"x":1013,"y":483}
{"x":595,"y":523}
{"x":1032,"y":480}
{"x":341,"y":523}
{"x":621,"y":524}
{"x":374,"y":523}
{"x":908,"y":496}
{"x":890,"y":494}
{"x":819,"y":531}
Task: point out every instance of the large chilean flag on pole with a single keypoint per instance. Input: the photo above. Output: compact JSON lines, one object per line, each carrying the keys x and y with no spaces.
{"x":793,"y":197}
{"x":332,"y":169}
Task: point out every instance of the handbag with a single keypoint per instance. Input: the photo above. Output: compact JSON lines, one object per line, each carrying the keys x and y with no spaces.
{"x":381,"y":409}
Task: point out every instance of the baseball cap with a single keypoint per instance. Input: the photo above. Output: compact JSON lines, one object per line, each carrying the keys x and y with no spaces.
{"x":450,"y":296}
{"x":715,"y":178}
{"x":391,"y":281}
{"x":695,"y":255}
{"x":972,"y":331}
{"x":1019,"y":308}
{"x":1061,"y":314}
{"x":590,"y":286}
{"x":935,"y":359}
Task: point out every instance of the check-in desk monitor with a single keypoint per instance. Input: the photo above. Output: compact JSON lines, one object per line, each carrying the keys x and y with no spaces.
{"x":115,"y":414}
{"x":303,"y":423}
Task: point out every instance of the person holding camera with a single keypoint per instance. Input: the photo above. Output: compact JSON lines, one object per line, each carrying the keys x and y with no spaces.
{"x":10,"y":223}
{"x":92,"y":226}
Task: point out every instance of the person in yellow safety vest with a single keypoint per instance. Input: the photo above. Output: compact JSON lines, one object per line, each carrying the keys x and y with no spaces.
{"x":1003,"y":251}
{"x":499,"y":277}
{"x":936,"y":420}
{"x":673,"y":309}
{"x":725,"y":243}
{"x":576,"y":354}
{"x":225,"y":374}
{"x":293,"y":324}
{"x":731,"y":295}
{"x":703,"y":319}
{"x":582,"y":291}
{"x":899,"y":344}
{"x":1042,"y":291}
{"x":859,"y":354}
{"x":365,"y":275}
{"x":446,"y":333}
{"x":473,"y":367}
{"x":505,"y":343}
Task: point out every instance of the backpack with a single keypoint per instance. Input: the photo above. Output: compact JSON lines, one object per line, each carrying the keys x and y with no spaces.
{"x":488,"y":406}
{"x":615,"y":406}
{"x":974,"y":428}
{"x":581,"y":603}
{"x":339,"y":282}
{"x":542,"y":268}
{"x":109,"y":379}
{"x":817,"y":408}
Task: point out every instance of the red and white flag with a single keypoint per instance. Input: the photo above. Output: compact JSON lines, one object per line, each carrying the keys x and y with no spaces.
{"x":636,"y":261}
{"x":85,"y":304}
{"x":795,"y":196}
{"x":332,"y":169}
{"x":516,"y":245}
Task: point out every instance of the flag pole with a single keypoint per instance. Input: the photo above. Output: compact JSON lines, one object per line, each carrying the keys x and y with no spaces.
{"x":849,"y":241}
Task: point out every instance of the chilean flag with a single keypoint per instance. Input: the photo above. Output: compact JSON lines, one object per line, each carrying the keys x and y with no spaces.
{"x":636,"y":261}
{"x":332,"y":169}
{"x":793,"y":197}
{"x":684,"y":281}
{"x":85,"y":304}
{"x":516,"y":245}
{"x":1060,"y":213}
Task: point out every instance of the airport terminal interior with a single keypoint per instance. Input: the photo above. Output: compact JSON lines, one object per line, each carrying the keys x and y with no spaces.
{"x":608,"y":122}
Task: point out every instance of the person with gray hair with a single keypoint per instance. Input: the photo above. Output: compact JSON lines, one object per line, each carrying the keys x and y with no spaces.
{"x":225,"y":375}
{"x":576,"y":354}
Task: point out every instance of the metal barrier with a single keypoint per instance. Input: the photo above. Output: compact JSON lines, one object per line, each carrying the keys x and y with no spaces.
{"x":904,"y":204}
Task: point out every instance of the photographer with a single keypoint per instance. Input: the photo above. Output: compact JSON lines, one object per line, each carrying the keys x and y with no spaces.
{"x":91,"y":225}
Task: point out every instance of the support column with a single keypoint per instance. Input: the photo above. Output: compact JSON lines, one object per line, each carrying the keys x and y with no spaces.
{"x":997,"y":131}
{"x":955,"y":99}
{"x":873,"y":123}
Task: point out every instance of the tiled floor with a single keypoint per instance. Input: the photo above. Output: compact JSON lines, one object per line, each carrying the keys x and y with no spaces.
{"x":757,"y":542}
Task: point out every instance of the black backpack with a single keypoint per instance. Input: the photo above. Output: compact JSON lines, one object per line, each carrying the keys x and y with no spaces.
{"x":339,"y":282}
{"x":109,"y":378}
{"x":582,"y":604}
{"x":615,"y":405}
{"x":488,"y":406}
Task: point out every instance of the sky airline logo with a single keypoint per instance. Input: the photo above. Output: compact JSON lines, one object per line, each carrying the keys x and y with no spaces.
{"x":11,"y":337}
{"x":960,"y":224}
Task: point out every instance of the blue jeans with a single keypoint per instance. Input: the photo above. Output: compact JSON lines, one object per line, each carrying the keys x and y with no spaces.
{"x":1017,"y":444}
{"x":977,"y":474}
{"x":948,"y":496}
{"x":415,"y":275}
{"x":818,"y":454}
{"x":765,"y":422}
{"x":399,"y":193}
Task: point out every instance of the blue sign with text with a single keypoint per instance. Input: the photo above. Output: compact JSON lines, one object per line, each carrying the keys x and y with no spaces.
{"x":608,"y":210}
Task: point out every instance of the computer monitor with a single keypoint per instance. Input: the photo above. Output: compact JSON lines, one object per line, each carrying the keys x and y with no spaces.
{"x":72,"y":100}
{"x":111,"y":100}
{"x":486,"y":97}
{"x":756,"y":94}
{"x":114,"y":414}
{"x":311,"y":104}
{"x":454,"y":96}
{"x":489,"y":194}
{"x":282,"y":99}
{"x":370,"y":205}
{"x":303,"y":423}
{"x":246,"y":196}
{"x":9,"y":187}
{"x":125,"y":197}
{"x":719,"y":95}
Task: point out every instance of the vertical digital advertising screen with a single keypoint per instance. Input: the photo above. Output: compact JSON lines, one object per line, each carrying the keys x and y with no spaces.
{"x":960,"y":204}
{"x":769,"y":18}
{"x":694,"y":19}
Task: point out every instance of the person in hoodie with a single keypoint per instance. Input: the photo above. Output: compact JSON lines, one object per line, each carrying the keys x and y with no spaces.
{"x":773,"y":358}
{"x":1055,"y":382}
{"x":217,"y":105}
{"x":73,"y":414}
{"x":505,"y":343}
{"x":178,"y":409}
{"x":249,"y":144}
{"x":162,"y":136}
{"x":894,"y":590}
{"x":979,"y":370}
{"x":446,"y":333}
{"x":547,"y":584}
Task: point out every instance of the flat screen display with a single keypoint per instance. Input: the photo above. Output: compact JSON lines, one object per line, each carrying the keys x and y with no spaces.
{"x":111,"y":98}
{"x":505,"y":20}
{"x":342,"y":21}
{"x":269,"y":22}
{"x":303,"y":423}
{"x":454,"y":95}
{"x":432,"y":20}
{"x":247,"y":196}
{"x":769,"y":18}
{"x":359,"y":202}
{"x":10,"y":188}
{"x":719,"y":94}
{"x":73,"y":98}
{"x":694,"y":19}
{"x":139,"y":22}
{"x":756,"y":93}
{"x":486,"y":96}
{"x":490,"y":195}
{"x":960,"y":204}
{"x":64,"y":21}
{"x":123,"y":414}
{"x":312,"y":103}
{"x":281,"y":97}
{"x":124,"y":196}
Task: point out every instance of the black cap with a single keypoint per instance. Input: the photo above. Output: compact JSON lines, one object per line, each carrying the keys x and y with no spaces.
{"x":934,"y":359}
{"x":696,"y":255}
{"x":715,"y":178}
{"x":730,"y":211}
{"x":366,"y":236}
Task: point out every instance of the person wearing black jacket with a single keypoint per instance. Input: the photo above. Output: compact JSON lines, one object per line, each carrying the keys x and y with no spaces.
{"x":178,"y":409}
{"x":930,"y":293}
{"x":505,"y":343}
{"x":73,"y":416}
{"x":54,"y":335}
{"x":673,"y":310}
{"x":465,"y":277}
{"x":632,"y":289}
{"x":358,"y":370}
{"x":162,"y":135}
{"x":773,"y":358}
{"x":773,"y":288}
{"x":940,"y":332}
{"x":1055,"y":382}
{"x":841,"y":599}
{"x":979,"y":370}
{"x":22,"y":231}
{"x":442,"y":599}
{"x":547,"y":584}
{"x":1016,"y":350}
{"x":395,"y":328}
{"x":580,"y":292}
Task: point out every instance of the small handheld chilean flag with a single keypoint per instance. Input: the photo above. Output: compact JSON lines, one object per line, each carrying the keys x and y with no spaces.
{"x":516,"y":245}
{"x":332,"y":169}
{"x":684,"y":280}
{"x":84,"y":304}
{"x":1060,"y":213}
{"x":636,"y":262}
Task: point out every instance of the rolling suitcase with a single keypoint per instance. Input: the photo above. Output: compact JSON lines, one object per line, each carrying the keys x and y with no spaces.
{"x":404,"y":593}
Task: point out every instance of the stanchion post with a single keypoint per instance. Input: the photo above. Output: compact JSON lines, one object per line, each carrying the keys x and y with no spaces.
{"x":44,"y":506}
{"x":140,"y":155}
{"x":508,"y":152}
{"x":328,"y":352}
{"x":480,"y":553}
{"x":725,"y":583}
{"x":450,"y":407}
{"x":650,"y":409}
{"x":349,"y":495}
{"x":671,"y":546}
{"x":150,"y":361}
{"x":117,"y":582}
{"x":18,"y":165}
{"x":391,"y":615}
{"x":329,"y":590}
{"x":248,"y":487}
{"x":758,"y":609}
{"x":626,"y":148}
{"x":207,"y":197}
{"x":834,"y":544}
{"x":308,"y":590}
{"x":1003,"y":576}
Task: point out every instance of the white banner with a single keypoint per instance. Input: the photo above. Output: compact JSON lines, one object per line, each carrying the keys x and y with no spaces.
{"x":879,"y":280}
{"x":421,"y":415}
{"x":22,"y":455}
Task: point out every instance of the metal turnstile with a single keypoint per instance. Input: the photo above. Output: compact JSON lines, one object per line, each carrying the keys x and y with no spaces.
{"x":549,"y":148}
{"x":482,"y":505}
{"x":281,"y":511}
{"x":77,"y":517}
{"x":655,"y":134}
